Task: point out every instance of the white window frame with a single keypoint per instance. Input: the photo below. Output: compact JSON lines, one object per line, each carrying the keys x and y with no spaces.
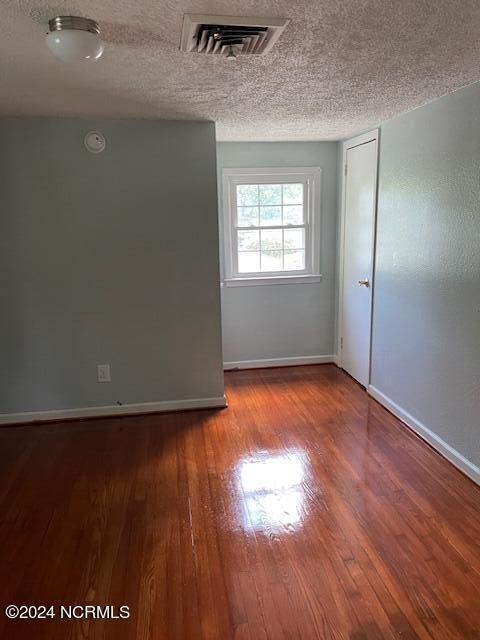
{"x":311,"y":177}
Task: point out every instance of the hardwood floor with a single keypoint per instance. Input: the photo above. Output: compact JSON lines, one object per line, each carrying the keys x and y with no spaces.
{"x":304,"y":510}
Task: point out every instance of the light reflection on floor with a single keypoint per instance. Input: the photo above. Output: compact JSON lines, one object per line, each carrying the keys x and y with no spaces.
{"x":273,"y":493}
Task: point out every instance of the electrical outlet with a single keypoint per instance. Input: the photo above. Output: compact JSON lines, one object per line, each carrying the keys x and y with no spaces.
{"x":103,"y":373}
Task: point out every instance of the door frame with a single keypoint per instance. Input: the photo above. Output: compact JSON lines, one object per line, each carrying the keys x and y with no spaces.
{"x":357,"y":141}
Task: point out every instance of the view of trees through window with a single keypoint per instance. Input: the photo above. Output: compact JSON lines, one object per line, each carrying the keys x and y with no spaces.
{"x":270,"y":227}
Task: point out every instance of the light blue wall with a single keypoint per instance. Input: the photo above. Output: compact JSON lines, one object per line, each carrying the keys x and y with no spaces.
{"x":109,"y":258}
{"x":426,"y":321}
{"x":294,"y":320}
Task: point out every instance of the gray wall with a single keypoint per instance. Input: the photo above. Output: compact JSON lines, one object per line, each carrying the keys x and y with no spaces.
{"x":109,"y":258}
{"x":426,"y":324}
{"x":279,"y":321}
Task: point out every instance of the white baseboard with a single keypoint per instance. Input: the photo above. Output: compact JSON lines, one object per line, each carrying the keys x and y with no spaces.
{"x":278,"y":362}
{"x":114,"y":410}
{"x":447,"y":451}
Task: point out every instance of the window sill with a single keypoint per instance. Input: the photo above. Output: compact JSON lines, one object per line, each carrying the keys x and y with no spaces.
{"x":271,"y":280}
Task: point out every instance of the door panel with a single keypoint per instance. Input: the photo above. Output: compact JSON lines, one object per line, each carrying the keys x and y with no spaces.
{"x":359,"y":223}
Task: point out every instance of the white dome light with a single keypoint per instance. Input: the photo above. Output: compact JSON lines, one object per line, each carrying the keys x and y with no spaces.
{"x":74,"y":39}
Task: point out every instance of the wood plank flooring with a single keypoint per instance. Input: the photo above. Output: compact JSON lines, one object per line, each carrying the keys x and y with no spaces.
{"x":304,"y":510}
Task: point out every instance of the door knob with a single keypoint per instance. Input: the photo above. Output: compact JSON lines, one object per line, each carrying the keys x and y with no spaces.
{"x":364,"y":283}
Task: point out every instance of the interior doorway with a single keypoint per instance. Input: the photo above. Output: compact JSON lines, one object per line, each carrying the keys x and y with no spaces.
{"x":357,"y":249}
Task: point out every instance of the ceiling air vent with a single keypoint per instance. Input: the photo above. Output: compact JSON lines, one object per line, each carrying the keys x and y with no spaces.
{"x":230,"y":36}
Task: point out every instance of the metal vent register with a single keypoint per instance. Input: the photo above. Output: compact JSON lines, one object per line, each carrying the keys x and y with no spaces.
{"x":224,"y":35}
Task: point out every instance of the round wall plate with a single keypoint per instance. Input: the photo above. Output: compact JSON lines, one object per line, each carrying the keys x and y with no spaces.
{"x":95,"y":142}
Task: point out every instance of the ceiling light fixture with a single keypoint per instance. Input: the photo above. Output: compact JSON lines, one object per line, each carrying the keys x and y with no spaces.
{"x":74,"y":39}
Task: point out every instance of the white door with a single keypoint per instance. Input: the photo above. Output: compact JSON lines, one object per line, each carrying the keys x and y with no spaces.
{"x":358,"y":250}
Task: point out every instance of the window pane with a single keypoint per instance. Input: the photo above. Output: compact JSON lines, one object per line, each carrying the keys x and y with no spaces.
{"x":270,"y":216}
{"x":272,"y":261}
{"x":293,"y":215}
{"x":293,"y":193}
{"x":249,"y":262}
{"x":294,"y":260}
{"x":247,"y":195}
{"x":271,"y":240}
{"x":270,"y":193}
{"x":247,"y":216}
{"x":259,"y":207}
{"x":294,"y":239}
{"x":249,"y":241}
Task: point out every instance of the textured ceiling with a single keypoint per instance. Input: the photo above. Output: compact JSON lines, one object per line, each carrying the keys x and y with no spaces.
{"x":340,"y":67}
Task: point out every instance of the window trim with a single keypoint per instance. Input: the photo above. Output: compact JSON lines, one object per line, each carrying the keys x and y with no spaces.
{"x":312,"y":179}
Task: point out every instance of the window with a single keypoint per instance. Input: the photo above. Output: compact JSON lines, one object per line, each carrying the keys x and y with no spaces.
{"x":271,"y":225}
